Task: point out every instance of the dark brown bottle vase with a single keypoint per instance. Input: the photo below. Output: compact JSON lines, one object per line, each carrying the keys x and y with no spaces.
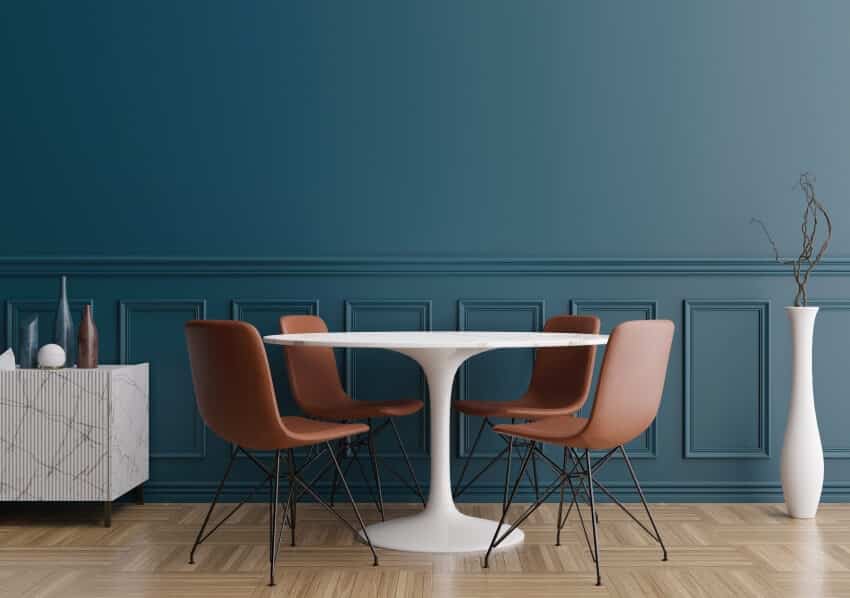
{"x":87,"y":341}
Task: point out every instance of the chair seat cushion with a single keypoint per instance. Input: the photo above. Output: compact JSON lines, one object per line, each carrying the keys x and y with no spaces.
{"x":554,"y":430}
{"x":310,"y":431}
{"x":519,"y":409}
{"x":365,"y":409}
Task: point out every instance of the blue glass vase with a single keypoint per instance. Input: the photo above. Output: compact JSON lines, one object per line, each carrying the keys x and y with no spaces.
{"x":63,"y":328}
{"x":28,"y":342}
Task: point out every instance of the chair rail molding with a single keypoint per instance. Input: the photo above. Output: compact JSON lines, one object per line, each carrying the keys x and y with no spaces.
{"x":38,"y":266}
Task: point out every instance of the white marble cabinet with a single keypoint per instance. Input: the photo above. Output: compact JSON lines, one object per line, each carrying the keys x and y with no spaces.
{"x":74,"y":434}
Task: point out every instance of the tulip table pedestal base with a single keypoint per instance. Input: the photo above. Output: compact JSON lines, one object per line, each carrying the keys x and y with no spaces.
{"x":440,"y":527}
{"x":430,"y":531}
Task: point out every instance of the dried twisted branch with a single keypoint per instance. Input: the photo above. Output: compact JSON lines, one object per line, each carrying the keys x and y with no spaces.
{"x":803,"y":265}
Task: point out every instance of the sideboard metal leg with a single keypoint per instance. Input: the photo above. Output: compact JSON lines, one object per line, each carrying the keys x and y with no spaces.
{"x":107,"y":513}
{"x":140,"y":494}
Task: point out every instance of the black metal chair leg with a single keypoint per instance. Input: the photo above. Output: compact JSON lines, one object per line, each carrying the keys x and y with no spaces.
{"x":575,"y":502}
{"x":335,"y":474}
{"x":293,"y":503}
{"x":212,"y":505}
{"x":107,"y":513}
{"x":531,"y":474}
{"x":507,"y":504}
{"x":285,"y":519}
{"x":528,"y":477}
{"x":643,"y":500}
{"x":469,"y":458}
{"x":355,"y":457}
{"x":274,"y":493}
{"x":508,"y":473}
{"x":534,"y":475}
{"x":374,"y":458}
{"x":407,"y":460}
{"x":593,"y":515}
{"x":560,"y":506}
{"x":581,"y":487}
{"x":354,"y":507}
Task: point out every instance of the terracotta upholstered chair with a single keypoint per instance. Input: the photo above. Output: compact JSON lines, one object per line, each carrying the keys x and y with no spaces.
{"x":560,"y":384}
{"x":236,"y":399}
{"x":628,"y":395}
{"x":316,"y":388}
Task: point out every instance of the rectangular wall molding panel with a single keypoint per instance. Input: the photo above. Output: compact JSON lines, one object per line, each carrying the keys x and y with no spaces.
{"x":264,"y":314}
{"x":726,"y":379}
{"x":246,"y":309}
{"x":525,"y":315}
{"x":832,"y":329}
{"x":151,"y":330}
{"x":389,"y":372}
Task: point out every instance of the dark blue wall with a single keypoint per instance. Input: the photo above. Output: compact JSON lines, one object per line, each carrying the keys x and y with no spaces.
{"x":452,"y":164}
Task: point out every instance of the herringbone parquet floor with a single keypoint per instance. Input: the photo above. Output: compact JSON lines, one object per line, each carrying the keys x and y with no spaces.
{"x":715,"y":551}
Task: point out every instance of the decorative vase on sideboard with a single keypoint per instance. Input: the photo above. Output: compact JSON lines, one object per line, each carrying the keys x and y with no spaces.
{"x":28,"y":342}
{"x":63,"y":327}
{"x":87,"y":348}
{"x":802,"y":452}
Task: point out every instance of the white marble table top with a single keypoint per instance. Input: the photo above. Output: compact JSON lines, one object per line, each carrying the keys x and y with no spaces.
{"x":466,"y":339}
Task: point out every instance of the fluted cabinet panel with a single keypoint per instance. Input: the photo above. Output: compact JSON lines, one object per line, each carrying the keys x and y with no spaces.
{"x":73,"y":434}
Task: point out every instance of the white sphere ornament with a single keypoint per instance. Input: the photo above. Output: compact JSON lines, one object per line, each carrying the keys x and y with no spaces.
{"x":51,"y":356}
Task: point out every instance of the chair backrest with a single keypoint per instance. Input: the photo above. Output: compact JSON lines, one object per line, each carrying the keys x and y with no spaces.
{"x":561,"y":376}
{"x":233,"y":384}
{"x":313,"y":376}
{"x":631,"y":383}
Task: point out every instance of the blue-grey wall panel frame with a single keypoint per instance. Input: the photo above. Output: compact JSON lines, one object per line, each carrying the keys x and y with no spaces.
{"x":165,"y":398}
{"x":264,"y":314}
{"x":830,"y":373}
{"x":420,"y":310}
{"x":701,"y":373}
{"x":534,"y":311}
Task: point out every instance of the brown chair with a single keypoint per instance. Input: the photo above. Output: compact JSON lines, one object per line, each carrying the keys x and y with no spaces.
{"x":627,"y":399}
{"x":560,"y":384}
{"x":236,"y":399}
{"x":315,"y":385}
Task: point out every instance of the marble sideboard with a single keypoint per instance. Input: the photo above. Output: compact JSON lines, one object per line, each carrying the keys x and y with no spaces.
{"x":74,"y":434}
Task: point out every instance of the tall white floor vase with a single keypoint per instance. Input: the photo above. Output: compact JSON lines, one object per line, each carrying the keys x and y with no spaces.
{"x":802,"y":453}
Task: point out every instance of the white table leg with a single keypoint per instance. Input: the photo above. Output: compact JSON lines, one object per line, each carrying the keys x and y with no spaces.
{"x":440,"y":527}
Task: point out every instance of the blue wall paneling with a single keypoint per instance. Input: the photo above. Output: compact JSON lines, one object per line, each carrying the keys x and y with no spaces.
{"x":719,"y":430}
{"x":446,"y":165}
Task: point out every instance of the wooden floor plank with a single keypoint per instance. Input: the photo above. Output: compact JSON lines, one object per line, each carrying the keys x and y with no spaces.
{"x":715,"y":550}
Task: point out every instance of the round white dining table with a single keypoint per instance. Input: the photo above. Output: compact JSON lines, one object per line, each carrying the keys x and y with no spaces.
{"x":440,"y":527}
